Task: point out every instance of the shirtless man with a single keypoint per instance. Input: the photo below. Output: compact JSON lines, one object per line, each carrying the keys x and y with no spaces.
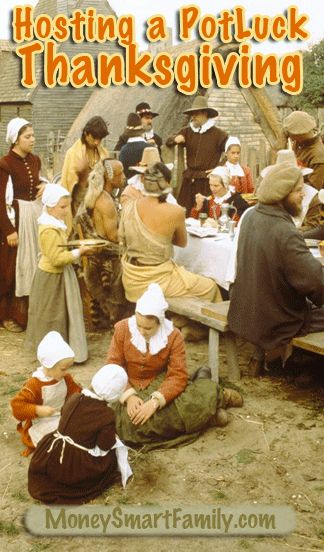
{"x":98,"y":218}
{"x":105,"y":215}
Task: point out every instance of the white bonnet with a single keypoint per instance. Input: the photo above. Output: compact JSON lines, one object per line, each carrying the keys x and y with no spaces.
{"x":52,"y":194}
{"x":52,"y":349}
{"x":13,"y":129}
{"x":223,"y":173}
{"x":109,"y":382}
{"x":152,"y":302}
{"x":232,"y":141}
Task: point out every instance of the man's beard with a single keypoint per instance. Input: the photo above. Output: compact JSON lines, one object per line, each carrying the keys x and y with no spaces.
{"x":148,"y":127}
{"x":292,"y":208}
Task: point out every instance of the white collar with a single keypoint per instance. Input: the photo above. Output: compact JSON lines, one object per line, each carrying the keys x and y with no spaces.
{"x":40,"y":375}
{"x":149,"y":134}
{"x":88,"y":393}
{"x":235,"y":170}
{"x":210,"y":123}
{"x":220,"y":200}
{"x":49,"y":220}
{"x":135,"y":139}
{"x":309,"y":194}
{"x":136,"y":182}
{"x":156,"y":343}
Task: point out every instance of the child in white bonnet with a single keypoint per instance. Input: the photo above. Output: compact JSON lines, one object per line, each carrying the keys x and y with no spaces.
{"x":37,"y":406}
{"x":78,"y":462}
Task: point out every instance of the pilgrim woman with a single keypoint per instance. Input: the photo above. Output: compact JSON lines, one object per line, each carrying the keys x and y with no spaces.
{"x":20,"y":188}
{"x":160,"y":407}
{"x":55,"y":302}
{"x":222,"y":192}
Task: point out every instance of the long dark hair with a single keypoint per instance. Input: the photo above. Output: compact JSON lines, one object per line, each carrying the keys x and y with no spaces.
{"x":97,"y":127}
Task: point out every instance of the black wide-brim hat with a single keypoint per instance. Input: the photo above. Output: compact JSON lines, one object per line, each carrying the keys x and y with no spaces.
{"x":200,"y":104}
{"x":144,"y":108}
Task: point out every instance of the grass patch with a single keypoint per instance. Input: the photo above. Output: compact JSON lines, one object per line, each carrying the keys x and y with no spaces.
{"x":20,"y":496}
{"x":8,"y":528}
{"x":12,"y":390}
{"x":244,"y":544}
{"x":39,"y":547}
{"x":218,"y":494}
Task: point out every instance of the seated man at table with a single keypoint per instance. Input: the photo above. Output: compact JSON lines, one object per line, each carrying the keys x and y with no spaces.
{"x":149,"y":228}
{"x":278,"y":282}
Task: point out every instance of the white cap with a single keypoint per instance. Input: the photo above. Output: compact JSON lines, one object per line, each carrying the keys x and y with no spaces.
{"x":13,"y":129}
{"x":152,"y":302}
{"x":109,"y":382}
{"x":232,"y":141}
{"x":52,"y":194}
{"x":52,"y":349}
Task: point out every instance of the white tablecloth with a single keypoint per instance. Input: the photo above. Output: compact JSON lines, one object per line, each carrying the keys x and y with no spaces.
{"x":206,"y":256}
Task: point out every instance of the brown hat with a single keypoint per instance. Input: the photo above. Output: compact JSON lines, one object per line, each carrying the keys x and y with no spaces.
{"x":279,"y":181}
{"x":200,"y":104}
{"x":286,"y":156}
{"x":150,"y":156}
{"x":133,"y":126}
{"x":144,"y":108}
{"x":299,"y":122}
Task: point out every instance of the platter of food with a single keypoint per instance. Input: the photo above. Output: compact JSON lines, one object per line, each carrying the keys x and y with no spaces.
{"x":89,"y":242}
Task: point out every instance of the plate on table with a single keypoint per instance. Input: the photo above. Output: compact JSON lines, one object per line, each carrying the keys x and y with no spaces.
{"x":203,"y":232}
{"x":90,"y":242}
{"x":311,"y":243}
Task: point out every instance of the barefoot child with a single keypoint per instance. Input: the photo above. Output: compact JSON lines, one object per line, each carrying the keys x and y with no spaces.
{"x":77,"y":462}
{"x":37,"y":406}
{"x":55,"y":302}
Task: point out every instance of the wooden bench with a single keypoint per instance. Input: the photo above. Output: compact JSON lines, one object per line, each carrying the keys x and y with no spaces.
{"x":313,"y":342}
{"x":214,"y":316}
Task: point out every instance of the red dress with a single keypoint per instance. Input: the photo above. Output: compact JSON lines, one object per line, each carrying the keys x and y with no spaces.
{"x":24,"y":174}
{"x":243,"y":184}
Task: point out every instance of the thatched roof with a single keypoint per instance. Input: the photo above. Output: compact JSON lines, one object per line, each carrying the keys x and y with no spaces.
{"x":11,"y":90}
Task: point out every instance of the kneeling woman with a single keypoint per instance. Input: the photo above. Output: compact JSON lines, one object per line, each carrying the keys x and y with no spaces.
{"x":159,"y":406}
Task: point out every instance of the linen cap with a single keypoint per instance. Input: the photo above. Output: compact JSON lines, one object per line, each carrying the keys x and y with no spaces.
{"x":52,"y":194}
{"x":13,"y":129}
{"x":223,"y":173}
{"x":299,"y":122}
{"x":200,"y":104}
{"x":109,"y":382}
{"x":52,"y":349}
{"x":279,"y":181}
{"x":152,"y":302}
{"x":232,"y":141}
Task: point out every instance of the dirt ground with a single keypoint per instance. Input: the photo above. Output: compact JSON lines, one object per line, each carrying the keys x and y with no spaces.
{"x":270,"y":453}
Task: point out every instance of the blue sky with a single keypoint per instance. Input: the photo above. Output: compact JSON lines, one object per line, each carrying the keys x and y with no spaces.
{"x":142,"y":9}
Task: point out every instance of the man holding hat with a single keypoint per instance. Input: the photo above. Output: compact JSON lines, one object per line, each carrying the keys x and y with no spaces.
{"x":278,"y":281}
{"x":307,"y":144}
{"x":145,"y":113}
{"x":204,"y":144}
